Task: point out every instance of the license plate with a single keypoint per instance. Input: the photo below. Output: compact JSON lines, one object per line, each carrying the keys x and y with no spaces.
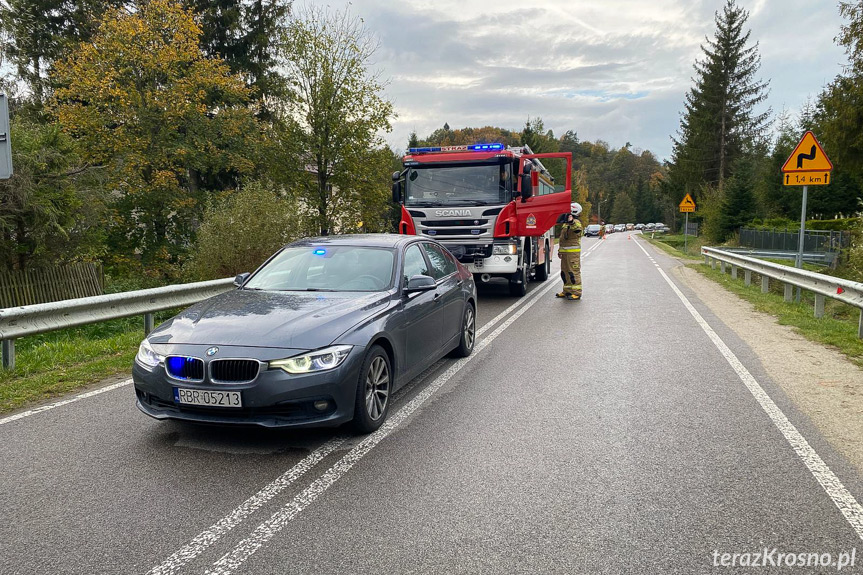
{"x":207,"y":398}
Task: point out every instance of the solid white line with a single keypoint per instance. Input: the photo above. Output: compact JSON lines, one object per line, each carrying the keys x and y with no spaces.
{"x":206,"y":538}
{"x":267,"y":530}
{"x":79,"y":397}
{"x":841,"y":497}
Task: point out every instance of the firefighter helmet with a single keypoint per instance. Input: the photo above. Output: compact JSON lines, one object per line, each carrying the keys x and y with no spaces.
{"x":575,"y":209}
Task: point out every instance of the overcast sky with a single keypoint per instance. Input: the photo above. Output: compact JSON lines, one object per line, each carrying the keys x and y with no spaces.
{"x":613,"y":70}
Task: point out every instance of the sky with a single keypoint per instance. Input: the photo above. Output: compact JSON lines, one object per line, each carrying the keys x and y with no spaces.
{"x":612,"y":70}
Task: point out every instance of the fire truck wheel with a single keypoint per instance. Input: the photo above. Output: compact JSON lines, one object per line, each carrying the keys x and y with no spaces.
{"x":518,"y":283}
{"x":468,"y":333}
{"x":544,"y":270}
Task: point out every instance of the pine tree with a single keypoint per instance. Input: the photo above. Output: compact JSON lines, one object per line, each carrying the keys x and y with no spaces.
{"x":719,"y":123}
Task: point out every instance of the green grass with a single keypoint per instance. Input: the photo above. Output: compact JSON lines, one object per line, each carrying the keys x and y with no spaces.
{"x":58,"y":362}
{"x":838,"y":327}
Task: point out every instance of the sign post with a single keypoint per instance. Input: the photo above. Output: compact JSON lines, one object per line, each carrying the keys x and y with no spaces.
{"x":5,"y":142}
{"x":687,"y":205}
{"x":807,"y":165}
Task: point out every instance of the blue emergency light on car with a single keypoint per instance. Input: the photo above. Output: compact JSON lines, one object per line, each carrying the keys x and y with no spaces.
{"x":485,"y":147}
{"x":320,"y":252}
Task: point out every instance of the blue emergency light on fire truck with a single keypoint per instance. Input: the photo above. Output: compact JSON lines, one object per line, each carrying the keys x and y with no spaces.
{"x":493,"y":206}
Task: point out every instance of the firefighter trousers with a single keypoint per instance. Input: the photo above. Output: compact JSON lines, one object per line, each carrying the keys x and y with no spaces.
{"x":570,"y":271}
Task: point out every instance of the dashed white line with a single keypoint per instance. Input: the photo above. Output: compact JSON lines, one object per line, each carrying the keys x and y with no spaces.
{"x":842,"y":498}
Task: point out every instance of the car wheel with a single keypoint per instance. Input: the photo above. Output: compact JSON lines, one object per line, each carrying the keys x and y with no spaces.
{"x":373,"y":391}
{"x":516,"y":288}
{"x":468,"y":333}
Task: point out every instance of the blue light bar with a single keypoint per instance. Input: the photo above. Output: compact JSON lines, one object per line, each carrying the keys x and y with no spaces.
{"x":485,"y":147}
{"x":462,"y":148}
{"x":320,"y":252}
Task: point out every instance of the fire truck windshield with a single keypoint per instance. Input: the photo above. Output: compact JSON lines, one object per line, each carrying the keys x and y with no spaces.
{"x":455,"y":185}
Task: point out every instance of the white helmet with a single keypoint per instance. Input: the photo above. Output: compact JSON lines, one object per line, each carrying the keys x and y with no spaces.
{"x":575,"y":209}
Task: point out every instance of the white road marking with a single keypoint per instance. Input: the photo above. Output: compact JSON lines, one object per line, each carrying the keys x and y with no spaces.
{"x":206,"y":538}
{"x":267,"y":530}
{"x":79,"y":397}
{"x":841,"y":497}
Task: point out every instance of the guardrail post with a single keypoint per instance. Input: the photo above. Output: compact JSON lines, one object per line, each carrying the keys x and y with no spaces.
{"x":733,"y":271}
{"x":706,"y":260}
{"x":747,"y":278}
{"x":860,"y":326}
{"x":8,"y":354}
{"x":722,"y":267}
{"x":765,"y":284}
{"x":789,"y":292}
{"x":819,"y":305}
{"x":148,"y":324}
{"x":713,"y":263}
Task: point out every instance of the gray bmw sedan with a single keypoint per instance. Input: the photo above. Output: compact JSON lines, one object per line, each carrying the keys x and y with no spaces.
{"x":321,"y":334}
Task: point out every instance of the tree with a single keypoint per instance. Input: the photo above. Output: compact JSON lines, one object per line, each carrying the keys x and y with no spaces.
{"x":624,"y":210}
{"x":50,"y":207}
{"x":719,"y":123}
{"x":333,"y":110}
{"x":170,"y":124}
{"x":738,"y":203}
{"x":38,"y":32}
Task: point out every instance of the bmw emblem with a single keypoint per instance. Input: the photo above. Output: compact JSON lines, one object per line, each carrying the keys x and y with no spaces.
{"x":212,"y":351}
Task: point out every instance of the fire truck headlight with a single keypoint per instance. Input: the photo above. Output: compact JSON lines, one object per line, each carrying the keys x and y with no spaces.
{"x":504,"y":250}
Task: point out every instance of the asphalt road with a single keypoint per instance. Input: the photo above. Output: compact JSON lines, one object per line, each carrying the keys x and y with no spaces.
{"x":623,"y":433}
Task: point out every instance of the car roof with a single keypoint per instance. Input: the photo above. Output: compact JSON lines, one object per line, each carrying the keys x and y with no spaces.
{"x":369,"y":240}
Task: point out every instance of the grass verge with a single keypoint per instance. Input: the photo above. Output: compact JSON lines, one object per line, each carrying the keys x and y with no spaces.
{"x":838,"y":327}
{"x":55,"y":363}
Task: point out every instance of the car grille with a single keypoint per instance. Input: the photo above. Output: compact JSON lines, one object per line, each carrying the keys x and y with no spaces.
{"x":234,"y":370}
{"x":188,"y":368}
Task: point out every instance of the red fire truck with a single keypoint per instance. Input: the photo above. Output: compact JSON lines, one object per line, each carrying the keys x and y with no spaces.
{"x":493,"y":206}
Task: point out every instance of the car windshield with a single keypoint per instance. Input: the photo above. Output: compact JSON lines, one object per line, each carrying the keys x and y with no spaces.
{"x":478,"y":184}
{"x":326,"y":268}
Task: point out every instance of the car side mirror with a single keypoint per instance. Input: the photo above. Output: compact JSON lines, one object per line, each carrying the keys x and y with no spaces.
{"x":397,"y":192}
{"x":241,"y":279}
{"x":420,"y":283}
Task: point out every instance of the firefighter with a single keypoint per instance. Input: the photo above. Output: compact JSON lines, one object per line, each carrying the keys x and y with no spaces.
{"x":569,"y":252}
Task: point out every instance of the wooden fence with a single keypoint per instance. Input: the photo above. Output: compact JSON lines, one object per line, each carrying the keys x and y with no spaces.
{"x":45,"y":285}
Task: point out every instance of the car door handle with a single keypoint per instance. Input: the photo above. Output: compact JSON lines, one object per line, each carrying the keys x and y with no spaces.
{"x":437,"y":296}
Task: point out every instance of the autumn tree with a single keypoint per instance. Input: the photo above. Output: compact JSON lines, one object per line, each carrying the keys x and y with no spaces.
{"x":334,"y":112}
{"x":170,"y":124}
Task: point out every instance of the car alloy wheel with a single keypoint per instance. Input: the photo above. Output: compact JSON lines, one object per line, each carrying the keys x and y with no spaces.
{"x":469,"y":328}
{"x":377,"y":388}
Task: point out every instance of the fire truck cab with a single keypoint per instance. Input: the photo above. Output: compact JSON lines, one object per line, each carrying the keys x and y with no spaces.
{"x":494,"y":207}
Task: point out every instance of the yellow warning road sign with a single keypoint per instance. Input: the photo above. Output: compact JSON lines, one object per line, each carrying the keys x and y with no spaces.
{"x":808,"y":156}
{"x":687,"y":204}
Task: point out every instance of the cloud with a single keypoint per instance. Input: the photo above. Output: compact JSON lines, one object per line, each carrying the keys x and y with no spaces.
{"x":615,"y":70}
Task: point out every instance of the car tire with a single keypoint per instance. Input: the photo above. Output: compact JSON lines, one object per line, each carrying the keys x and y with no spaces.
{"x":374,"y":389}
{"x":543,"y":271}
{"x":468,"y":333}
{"x":519,"y":288}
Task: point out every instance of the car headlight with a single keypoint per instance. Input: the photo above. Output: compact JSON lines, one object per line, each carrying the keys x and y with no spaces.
{"x":147,"y":356}
{"x":321,"y":360}
{"x":504,"y":249}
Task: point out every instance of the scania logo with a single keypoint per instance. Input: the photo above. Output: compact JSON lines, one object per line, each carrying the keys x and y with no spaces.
{"x":452,"y":213}
{"x":212,"y":351}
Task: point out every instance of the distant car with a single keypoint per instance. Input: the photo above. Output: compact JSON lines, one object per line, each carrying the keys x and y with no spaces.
{"x":321,"y":334}
{"x":630,"y":227}
{"x":609,"y":228}
{"x":660,"y":227}
{"x":639,"y":226}
{"x":620,"y":227}
{"x":592,"y":230}
{"x":649,"y":227}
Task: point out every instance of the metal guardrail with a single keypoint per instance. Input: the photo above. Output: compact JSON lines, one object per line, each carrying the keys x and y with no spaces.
{"x":40,"y":318}
{"x":822,"y":258}
{"x":823,"y":286}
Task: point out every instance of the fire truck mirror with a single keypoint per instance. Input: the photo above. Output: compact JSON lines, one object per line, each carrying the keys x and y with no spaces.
{"x":397,"y":192}
{"x":396,"y":176}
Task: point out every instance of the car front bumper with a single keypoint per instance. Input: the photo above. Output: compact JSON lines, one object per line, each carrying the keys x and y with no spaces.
{"x":273,"y":399}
